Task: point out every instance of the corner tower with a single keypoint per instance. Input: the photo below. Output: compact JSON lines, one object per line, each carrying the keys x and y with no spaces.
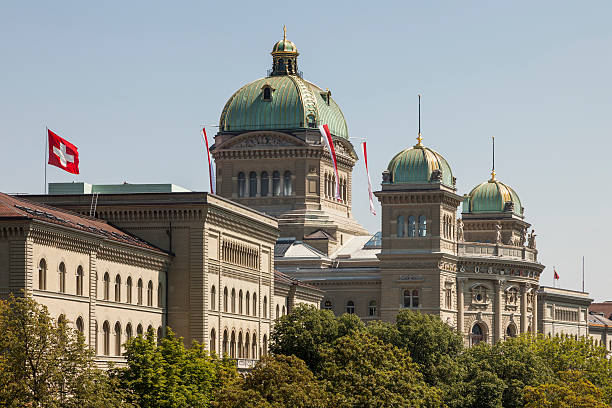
{"x":269,"y":154}
{"x":418,"y":259}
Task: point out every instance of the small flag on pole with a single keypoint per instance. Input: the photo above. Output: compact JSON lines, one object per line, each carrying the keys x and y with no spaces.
{"x":326,"y":136}
{"x":556,"y":275}
{"x":370,"y":194}
{"x":63,"y":154}
{"x":211,"y":169}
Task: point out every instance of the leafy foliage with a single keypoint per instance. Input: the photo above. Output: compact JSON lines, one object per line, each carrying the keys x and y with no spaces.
{"x":572,"y":390}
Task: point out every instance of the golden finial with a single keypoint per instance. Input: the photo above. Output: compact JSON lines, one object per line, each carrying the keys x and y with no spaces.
{"x":493,"y":167}
{"x":284,"y":33}
{"x":419,"y":138}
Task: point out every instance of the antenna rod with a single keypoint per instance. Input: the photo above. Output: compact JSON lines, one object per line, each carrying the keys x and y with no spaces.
{"x":582,"y":273}
{"x":419,"y":138}
{"x":493,"y":166}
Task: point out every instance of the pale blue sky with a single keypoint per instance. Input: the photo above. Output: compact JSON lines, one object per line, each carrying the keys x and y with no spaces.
{"x":130,"y":83}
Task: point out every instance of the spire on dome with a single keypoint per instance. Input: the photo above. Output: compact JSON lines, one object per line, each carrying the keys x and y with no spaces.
{"x":493,"y":167}
{"x":284,"y":57}
{"x":419,"y":138}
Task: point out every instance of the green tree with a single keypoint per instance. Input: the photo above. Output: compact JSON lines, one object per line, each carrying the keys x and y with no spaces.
{"x":44,"y":363}
{"x":171,"y":375}
{"x":276,"y":382}
{"x":362,"y":371}
{"x":571,"y":390}
{"x":304,"y":333}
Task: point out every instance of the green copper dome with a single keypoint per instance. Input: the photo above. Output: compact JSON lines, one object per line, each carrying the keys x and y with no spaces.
{"x":418,"y":165}
{"x":282,"y":101}
{"x":492,"y":196}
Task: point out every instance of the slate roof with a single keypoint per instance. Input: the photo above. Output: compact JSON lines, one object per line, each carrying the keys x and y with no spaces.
{"x":17,"y":207}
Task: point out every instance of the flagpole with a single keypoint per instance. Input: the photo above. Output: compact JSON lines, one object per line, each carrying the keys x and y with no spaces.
{"x":583,"y":273}
{"x":45,"y":161}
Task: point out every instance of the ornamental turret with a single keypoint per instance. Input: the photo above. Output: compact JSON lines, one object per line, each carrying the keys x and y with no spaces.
{"x":284,"y":57}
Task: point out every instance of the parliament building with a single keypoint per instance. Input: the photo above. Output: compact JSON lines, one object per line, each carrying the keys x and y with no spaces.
{"x":118,"y":259}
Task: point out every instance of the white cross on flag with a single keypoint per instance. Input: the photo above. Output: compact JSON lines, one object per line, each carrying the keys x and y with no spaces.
{"x":63,"y":154}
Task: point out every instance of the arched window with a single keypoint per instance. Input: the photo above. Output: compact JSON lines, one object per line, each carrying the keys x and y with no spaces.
{"x":247,"y":309}
{"x":240,"y":345}
{"x":241,"y":185}
{"x":267,"y":93}
{"x":160,"y":335}
{"x":284,"y":310}
{"x":61,"y":320}
{"x":477,"y":334}
{"x":96,"y":337}
{"x":265,"y":307}
{"x":233,"y":300}
{"x":117,"y":288}
{"x":128,"y":285}
{"x":62,"y":277}
{"x":400,"y":226}
{"x":422,"y":226}
{"x":265,"y":180}
{"x":42,"y":275}
{"x":160,"y":295}
{"x":277,"y":311}
{"x":79,"y":281}
{"x":233,"y":345}
{"x":128,"y":332}
{"x":327,"y":305}
{"x":106,"y":338}
{"x":276,"y":184}
{"x":240,"y":300}
{"x":287,"y":184}
{"x":139,"y":290}
{"x":247,"y":344}
{"x":254,"y":304}
{"x":106,"y":286}
{"x":213,"y":341}
{"x":225,"y":299}
{"x":254,"y":346}
{"x":225,"y":342}
{"x":372,"y":308}
{"x":139,"y":330}
{"x":350,"y":307}
{"x":117,"y":339}
{"x":149,"y":328}
{"x":79,"y":324}
{"x":411,"y":226}
{"x":265,"y":345}
{"x":213,"y":298}
{"x":252,"y":184}
{"x":511,"y":330}
{"x":150,"y":293}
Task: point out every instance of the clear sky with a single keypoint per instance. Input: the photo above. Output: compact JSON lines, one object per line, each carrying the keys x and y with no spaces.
{"x":130,"y":83}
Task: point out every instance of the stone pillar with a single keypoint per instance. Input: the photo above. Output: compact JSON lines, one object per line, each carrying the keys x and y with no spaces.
{"x":258,"y":194}
{"x":534,"y":312}
{"x":460,"y":307}
{"x":524,"y":320}
{"x":497,"y":324}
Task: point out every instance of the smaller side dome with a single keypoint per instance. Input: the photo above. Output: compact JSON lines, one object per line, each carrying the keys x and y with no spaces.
{"x":418,"y":165}
{"x":492,"y":196}
{"x":284,"y":45}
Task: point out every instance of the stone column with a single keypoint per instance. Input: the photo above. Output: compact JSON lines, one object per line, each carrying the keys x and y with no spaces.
{"x":460,"y":322}
{"x":524,"y":320}
{"x":534,"y":313}
{"x":497,"y":325}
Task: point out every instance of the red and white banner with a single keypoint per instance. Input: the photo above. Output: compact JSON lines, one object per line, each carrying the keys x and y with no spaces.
{"x":211,"y":169}
{"x":370,"y":194}
{"x":63,"y":154}
{"x":326,"y":136}
{"x":556,"y":275}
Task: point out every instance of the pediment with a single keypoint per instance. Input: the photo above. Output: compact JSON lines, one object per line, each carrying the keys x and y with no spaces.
{"x":261,"y":140}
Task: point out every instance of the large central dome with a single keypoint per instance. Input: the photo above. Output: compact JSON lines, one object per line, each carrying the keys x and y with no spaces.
{"x":282,"y":101}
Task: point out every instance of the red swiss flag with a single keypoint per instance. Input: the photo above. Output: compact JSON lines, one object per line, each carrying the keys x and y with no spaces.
{"x":63,"y":154}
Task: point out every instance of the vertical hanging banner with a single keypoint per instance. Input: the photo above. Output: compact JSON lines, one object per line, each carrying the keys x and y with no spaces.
{"x":370,"y":194}
{"x":211,"y":169}
{"x":326,"y":135}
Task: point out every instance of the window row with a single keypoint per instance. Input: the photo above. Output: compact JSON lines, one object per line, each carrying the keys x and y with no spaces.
{"x":63,"y":284}
{"x":128,"y":289}
{"x":118,"y":335}
{"x":238,"y":346}
{"x":448,"y":227}
{"x":350,"y":307}
{"x":330,"y":187}
{"x":409,"y":228}
{"x":240,"y":254}
{"x":262,"y":185}
{"x":244,"y":302}
{"x":567,"y":315}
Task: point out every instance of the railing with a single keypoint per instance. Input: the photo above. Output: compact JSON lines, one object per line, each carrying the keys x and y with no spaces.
{"x":298,"y":73}
{"x":488,"y":250}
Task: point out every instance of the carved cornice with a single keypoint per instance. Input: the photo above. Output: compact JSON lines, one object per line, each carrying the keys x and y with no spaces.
{"x":132,"y":256}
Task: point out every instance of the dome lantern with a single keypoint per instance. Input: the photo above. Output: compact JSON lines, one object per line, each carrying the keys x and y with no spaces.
{"x":284,"y":57}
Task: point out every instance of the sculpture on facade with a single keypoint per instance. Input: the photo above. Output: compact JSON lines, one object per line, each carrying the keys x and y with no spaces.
{"x":532,"y":240}
{"x":460,"y":236}
{"x":523,"y":237}
{"x":498,"y":234}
